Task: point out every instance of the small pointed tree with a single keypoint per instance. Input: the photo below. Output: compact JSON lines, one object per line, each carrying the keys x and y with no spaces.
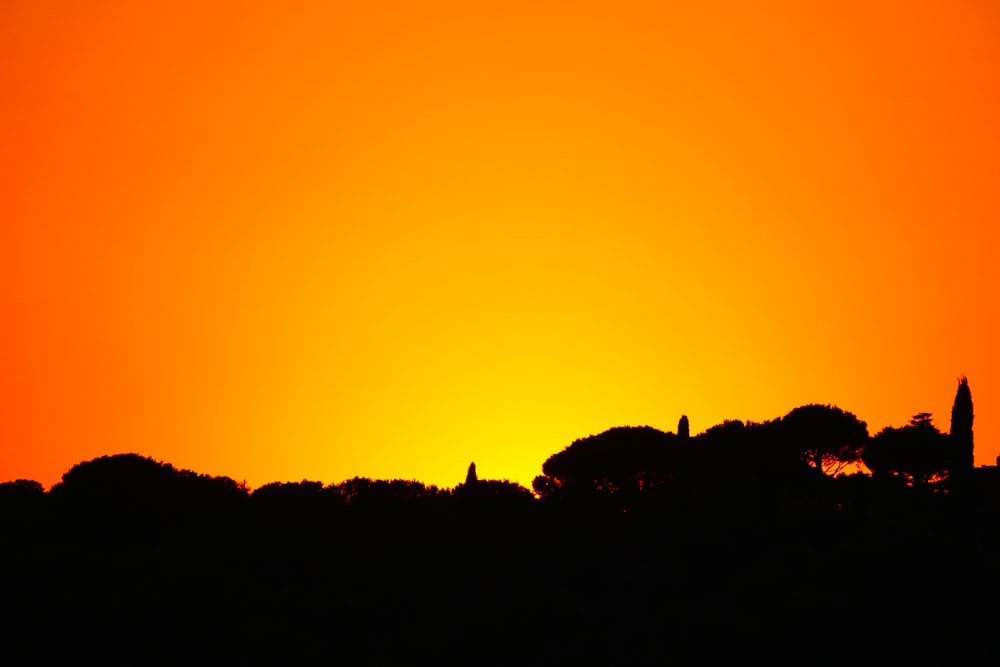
{"x":470,"y":477}
{"x":683,"y":427}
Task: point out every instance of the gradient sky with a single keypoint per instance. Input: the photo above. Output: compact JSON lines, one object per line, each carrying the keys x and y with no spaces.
{"x":286,"y":240}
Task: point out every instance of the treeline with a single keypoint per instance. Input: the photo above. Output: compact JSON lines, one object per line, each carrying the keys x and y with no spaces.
{"x":801,"y":540}
{"x":132,"y":497}
{"x":817,"y":461}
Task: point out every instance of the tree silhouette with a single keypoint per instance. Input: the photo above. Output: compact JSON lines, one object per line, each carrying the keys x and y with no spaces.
{"x":683,"y":427}
{"x":960,"y":434}
{"x":621,"y":462}
{"x":917,"y":453}
{"x":22,"y":486}
{"x":383,"y":494}
{"x":470,"y":477}
{"x":546,"y":487}
{"x":739,"y":467}
{"x":128,"y":488}
{"x":297,"y":502}
{"x":824,"y":436}
{"x":492,"y":501}
{"x":21,"y":502}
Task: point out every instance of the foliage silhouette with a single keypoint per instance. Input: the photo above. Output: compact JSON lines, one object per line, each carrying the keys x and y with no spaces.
{"x":640,"y":546}
{"x":960,"y":438}
{"x":683,"y":427}
{"x":618,"y":464}
{"x":827,"y":438}
{"x":20,"y":488}
{"x":918,"y":453}
{"x":361,"y":492}
{"x":126,"y":497}
{"x":22,"y":505}
{"x":21,"y":495}
{"x":491,"y":507}
{"x":296,"y":507}
{"x":493,"y":490}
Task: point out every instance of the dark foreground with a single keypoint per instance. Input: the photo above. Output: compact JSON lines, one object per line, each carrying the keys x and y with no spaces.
{"x":547,"y":589}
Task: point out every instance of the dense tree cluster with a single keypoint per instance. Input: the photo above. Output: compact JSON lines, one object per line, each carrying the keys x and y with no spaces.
{"x":635,"y":543}
{"x":734,"y":468}
{"x":918,"y":453}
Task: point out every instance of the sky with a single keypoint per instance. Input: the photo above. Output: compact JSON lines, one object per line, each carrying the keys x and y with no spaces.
{"x":314,"y":240}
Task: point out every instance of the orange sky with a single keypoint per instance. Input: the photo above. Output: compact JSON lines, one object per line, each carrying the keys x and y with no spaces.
{"x":330,"y":240}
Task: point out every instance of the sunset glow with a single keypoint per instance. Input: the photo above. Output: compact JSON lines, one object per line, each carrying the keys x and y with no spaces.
{"x":388,"y":239}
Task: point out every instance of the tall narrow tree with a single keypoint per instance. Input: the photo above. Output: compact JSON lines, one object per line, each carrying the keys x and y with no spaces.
{"x":960,"y":436}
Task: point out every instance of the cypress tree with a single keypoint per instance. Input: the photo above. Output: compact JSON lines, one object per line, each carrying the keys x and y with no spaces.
{"x":683,"y":428}
{"x":960,"y":435}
